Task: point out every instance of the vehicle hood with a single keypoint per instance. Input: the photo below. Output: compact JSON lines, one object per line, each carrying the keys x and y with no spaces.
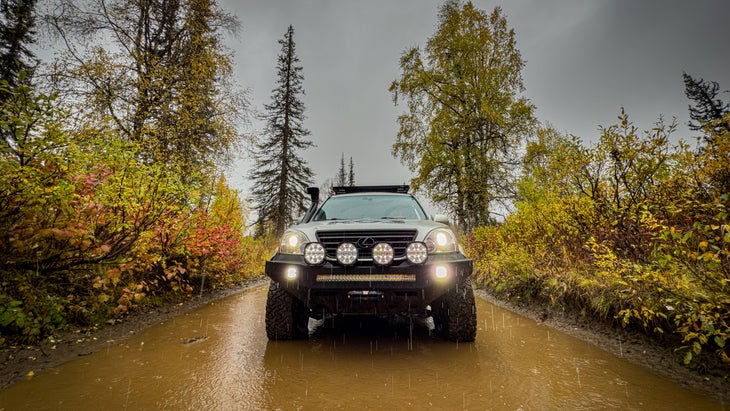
{"x":422,"y":227}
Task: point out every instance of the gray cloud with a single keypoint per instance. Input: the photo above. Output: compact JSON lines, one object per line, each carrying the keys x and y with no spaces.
{"x":585,"y":60}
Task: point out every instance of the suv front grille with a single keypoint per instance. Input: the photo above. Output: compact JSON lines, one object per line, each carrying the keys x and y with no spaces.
{"x":398,"y":239}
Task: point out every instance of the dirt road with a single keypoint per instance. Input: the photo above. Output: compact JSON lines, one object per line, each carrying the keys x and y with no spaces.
{"x":218,"y":357}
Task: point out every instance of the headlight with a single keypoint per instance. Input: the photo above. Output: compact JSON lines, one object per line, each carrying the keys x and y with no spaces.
{"x":292,"y":242}
{"x":417,"y":253}
{"x":441,"y":240}
{"x":314,"y":253}
{"x":383,"y":254}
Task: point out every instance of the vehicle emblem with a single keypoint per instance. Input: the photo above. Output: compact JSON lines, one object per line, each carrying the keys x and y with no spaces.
{"x":366,"y":242}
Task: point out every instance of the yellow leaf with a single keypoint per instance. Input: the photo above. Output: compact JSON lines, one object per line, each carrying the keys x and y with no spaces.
{"x":114,"y":274}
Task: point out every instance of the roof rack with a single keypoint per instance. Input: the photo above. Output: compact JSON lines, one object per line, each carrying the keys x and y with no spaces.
{"x":402,"y":189}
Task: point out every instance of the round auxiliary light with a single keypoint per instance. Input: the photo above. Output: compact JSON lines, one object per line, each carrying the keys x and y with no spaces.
{"x":314,"y":253}
{"x":383,"y":254}
{"x":417,"y":253}
{"x":347,"y":254}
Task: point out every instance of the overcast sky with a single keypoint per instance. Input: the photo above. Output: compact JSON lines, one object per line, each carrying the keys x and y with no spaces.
{"x":584,"y":61}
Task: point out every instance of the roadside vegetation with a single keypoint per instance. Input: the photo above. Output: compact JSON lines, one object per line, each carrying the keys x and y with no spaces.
{"x":633,"y":229}
{"x":112,"y":195}
{"x":89,"y":231}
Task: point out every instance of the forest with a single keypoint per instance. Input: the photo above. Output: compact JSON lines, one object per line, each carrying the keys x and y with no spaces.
{"x":112,"y":164}
{"x":113,"y":196}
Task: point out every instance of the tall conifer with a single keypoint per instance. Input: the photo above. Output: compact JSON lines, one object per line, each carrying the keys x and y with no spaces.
{"x":707,"y":109}
{"x":351,"y":176}
{"x":280,"y":176}
{"x":341,"y":174}
{"x":16,"y":35}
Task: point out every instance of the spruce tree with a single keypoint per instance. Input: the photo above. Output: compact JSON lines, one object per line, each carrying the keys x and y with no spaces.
{"x":17,"y":61}
{"x":351,"y":177}
{"x":708,"y":109}
{"x":280,"y":176}
{"x":711,"y":116}
{"x":341,"y":180}
{"x":17,"y":33}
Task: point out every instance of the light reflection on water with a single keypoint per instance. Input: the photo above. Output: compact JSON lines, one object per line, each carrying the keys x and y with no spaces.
{"x":218,"y":358}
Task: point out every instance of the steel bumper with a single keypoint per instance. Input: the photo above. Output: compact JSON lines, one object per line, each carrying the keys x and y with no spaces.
{"x":368,"y":289}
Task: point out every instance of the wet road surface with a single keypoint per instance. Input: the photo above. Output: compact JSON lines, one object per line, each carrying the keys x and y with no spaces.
{"x":218,"y":358}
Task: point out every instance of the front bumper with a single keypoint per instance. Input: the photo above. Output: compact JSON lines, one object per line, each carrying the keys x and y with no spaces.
{"x":398,"y":288}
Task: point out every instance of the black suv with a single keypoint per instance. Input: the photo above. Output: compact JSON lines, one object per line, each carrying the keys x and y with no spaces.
{"x":369,"y":250}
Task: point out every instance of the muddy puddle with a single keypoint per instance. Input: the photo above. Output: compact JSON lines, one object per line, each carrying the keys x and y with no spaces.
{"x":218,"y":358}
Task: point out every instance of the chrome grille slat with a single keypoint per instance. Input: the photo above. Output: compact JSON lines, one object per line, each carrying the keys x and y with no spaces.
{"x":398,"y":239}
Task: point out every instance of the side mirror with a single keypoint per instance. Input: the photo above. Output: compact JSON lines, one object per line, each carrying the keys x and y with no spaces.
{"x":441,"y":218}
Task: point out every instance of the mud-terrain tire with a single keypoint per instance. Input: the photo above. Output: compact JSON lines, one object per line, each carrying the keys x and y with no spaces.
{"x":286,"y":317}
{"x":455,"y":314}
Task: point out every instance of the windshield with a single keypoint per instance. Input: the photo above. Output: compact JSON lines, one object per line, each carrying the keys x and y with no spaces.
{"x":396,"y":207}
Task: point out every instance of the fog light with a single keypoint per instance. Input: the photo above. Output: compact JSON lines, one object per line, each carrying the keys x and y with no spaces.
{"x":383,"y":254}
{"x":417,"y":253}
{"x":314,"y":253}
{"x":441,"y":272}
{"x":347,"y":253}
{"x":291,"y":273}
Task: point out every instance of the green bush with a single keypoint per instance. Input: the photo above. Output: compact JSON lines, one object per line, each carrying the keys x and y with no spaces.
{"x":636,"y":232}
{"x":90,"y":231}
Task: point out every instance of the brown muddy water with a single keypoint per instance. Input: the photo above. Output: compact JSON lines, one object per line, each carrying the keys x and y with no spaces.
{"x":218,"y":358}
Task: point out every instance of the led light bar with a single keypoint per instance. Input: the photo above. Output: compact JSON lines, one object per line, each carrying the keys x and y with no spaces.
{"x":366,"y":277}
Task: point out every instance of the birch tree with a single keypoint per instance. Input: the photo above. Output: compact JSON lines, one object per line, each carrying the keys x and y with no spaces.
{"x":465,"y":120}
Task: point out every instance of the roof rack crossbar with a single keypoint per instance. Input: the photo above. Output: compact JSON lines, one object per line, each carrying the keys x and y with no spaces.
{"x":402,"y":189}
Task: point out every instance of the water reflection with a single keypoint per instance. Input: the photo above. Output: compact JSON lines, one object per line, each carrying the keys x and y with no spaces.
{"x":367,"y":363}
{"x":218,"y":358}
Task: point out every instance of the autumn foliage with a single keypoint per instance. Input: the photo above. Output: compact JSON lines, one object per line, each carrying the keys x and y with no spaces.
{"x":89,"y":231}
{"x":633,"y":230}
